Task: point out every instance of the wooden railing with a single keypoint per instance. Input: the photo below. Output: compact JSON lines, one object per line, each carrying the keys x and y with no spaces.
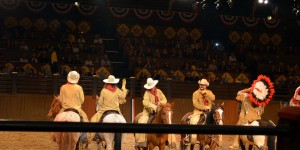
{"x":12,"y":83}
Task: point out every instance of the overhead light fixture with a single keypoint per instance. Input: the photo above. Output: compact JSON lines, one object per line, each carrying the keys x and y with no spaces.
{"x":77,"y":4}
{"x":217,"y":4}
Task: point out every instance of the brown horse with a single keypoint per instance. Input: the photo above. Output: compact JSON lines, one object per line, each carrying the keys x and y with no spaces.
{"x":65,"y":140}
{"x":214,"y":117}
{"x":163,"y":116}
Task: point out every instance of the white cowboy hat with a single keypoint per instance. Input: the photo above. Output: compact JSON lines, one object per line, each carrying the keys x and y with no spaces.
{"x":73,"y":77}
{"x":203,"y":82}
{"x":111,"y":79}
{"x":150,"y":83}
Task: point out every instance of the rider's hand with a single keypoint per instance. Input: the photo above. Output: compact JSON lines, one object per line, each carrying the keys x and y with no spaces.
{"x":123,"y":83}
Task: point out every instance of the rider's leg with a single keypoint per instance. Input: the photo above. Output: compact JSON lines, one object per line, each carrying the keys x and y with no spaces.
{"x":194,"y":119}
{"x":141,"y":139}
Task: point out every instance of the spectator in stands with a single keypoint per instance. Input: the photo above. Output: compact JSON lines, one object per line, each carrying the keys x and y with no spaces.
{"x":156,"y":76}
{"x":88,"y":61}
{"x":34,"y":58}
{"x":105,"y":62}
{"x":43,"y":58}
{"x":54,"y":61}
{"x":155,"y":64}
{"x":77,"y":60}
{"x":202,"y":101}
{"x":148,"y":64}
{"x":165,"y":53}
{"x":139,"y":64}
{"x":24,"y":58}
{"x":75,"y":48}
{"x":152,"y":100}
{"x":24,"y":46}
{"x":148,"y":52}
{"x":212,"y":66}
{"x":157,"y":53}
{"x":81,"y":40}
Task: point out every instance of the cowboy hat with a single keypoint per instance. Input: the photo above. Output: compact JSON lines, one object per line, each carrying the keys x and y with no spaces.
{"x":150,"y":83}
{"x":73,"y":77}
{"x":111,"y":80}
{"x":203,"y":82}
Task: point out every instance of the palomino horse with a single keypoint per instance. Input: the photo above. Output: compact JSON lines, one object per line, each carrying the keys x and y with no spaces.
{"x":65,"y":140}
{"x":214,"y":117}
{"x":261,"y":142}
{"x":108,"y":138}
{"x":163,"y":116}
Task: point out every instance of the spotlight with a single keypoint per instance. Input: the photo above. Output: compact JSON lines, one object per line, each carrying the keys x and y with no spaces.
{"x":229,"y":2}
{"x":269,"y":18}
{"x":77,"y":4}
{"x":260,"y":1}
{"x":217,"y":4}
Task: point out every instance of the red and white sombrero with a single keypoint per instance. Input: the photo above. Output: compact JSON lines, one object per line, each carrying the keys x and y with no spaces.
{"x":261,"y":91}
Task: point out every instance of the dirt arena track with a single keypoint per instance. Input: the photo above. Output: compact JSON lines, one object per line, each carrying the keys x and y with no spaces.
{"x":42,"y":141}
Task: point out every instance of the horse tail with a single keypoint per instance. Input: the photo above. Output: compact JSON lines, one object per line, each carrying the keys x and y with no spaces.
{"x":271,"y":138}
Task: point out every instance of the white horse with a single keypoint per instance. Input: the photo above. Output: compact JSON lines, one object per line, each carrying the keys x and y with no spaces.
{"x":108,"y":138}
{"x":261,"y":142}
{"x":65,"y":140}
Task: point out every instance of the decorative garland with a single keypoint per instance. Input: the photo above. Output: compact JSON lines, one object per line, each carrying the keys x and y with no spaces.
{"x":261,"y":91}
{"x":273,"y":23}
{"x":229,"y":20}
{"x":187,"y":16}
{"x":250,"y":21}
{"x":61,"y":8}
{"x":87,"y":10}
{"x":9,"y":4}
{"x":143,"y":13}
{"x":119,"y":12}
{"x":165,"y":15}
{"x":35,"y":6}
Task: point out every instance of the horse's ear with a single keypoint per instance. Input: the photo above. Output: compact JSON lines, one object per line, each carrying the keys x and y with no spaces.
{"x":222,"y":103}
{"x":172,"y":103}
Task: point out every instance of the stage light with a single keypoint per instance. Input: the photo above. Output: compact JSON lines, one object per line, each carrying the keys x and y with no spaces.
{"x":77,"y":4}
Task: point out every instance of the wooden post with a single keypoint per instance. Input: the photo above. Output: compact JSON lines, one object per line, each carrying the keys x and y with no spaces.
{"x":55,"y":84}
{"x":95,"y":84}
{"x":14,"y":82}
{"x":289,"y":117}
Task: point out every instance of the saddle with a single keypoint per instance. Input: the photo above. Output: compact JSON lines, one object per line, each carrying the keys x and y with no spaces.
{"x":75,"y":111}
{"x":107,"y":113}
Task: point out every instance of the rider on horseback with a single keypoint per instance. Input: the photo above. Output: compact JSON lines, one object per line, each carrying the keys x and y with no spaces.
{"x":110,"y":97}
{"x":72,"y":97}
{"x":152,"y":99}
{"x":295,"y":101}
{"x":202,"y":101}
{"x":249,"y":112}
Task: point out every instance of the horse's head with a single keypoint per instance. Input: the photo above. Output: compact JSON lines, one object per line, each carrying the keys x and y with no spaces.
{"x":54,"y":108}
{"x":165,"y":113}
{"x":217,"y":111}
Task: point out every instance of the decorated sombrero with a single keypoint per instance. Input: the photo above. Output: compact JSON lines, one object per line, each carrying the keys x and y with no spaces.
{"x":261,"y":91}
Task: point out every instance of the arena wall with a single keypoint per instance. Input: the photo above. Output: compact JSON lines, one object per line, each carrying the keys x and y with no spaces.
{"x":36,"y":106}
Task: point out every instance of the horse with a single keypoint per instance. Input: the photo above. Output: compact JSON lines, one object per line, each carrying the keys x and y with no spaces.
{"x":164,"y":115}
{"x":65,"y":140}
{"x":259,"y":141}
{"x":107,"y":139}
{"x":214,"y":117}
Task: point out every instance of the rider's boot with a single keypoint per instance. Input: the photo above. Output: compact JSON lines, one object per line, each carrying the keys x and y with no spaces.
{"x":235,"y":144}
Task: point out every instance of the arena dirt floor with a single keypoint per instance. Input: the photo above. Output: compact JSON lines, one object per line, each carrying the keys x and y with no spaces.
{"x":42,"y":141}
